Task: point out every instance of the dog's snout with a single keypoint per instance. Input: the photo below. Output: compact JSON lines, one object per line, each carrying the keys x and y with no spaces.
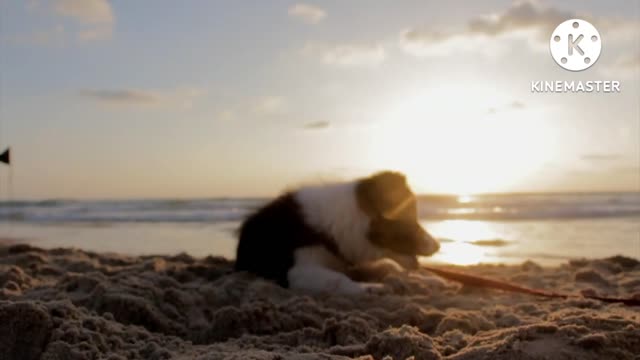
{"x":427,"y":244}
{"x":436,"y":245}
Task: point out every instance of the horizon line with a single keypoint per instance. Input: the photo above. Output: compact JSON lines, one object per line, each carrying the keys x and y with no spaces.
{"x":252,"y":197}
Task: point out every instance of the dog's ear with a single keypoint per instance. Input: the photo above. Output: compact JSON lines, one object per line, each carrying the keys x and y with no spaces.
{"x":382,"y":192}
{"x":389,"y":179}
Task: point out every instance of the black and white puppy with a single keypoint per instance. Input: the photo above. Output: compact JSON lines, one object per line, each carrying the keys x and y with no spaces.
{"x":309,"y":238}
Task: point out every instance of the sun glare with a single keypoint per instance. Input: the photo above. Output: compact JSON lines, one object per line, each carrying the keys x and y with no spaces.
{"x":461,"y":254}
{"x":450,"y":142}
{"x":463,"y":230}
{"x":457,"y":237}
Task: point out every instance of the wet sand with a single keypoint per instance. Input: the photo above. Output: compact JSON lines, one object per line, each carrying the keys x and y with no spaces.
{"x":73,"y":304}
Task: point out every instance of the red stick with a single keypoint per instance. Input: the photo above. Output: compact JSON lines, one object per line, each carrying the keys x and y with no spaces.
{"x":479,"y":281}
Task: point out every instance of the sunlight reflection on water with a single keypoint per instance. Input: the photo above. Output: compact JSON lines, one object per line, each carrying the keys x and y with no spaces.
{"x":551,"y":242}
{"x":456,"y":237}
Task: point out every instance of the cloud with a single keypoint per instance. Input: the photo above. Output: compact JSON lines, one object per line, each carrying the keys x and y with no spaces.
{"x":354,"y":55}
{"x":626,"y":66}
{"x":426,"y":43}
{"x":183,"y":97}
{"x":226,"y":115}
{"x":94,"y":18}
{"x":520,"y":19}
{"x":121,"y":96}
{"x":306,"y":13}
{"x":267,"y":105}
{"x":517,"y":105}
{"x":81,"y":20}
{"x":630,"y":62}
{"x":520,"y":15}
{"x":601,"y":157}
{"x":96,"y":33}
{"x":252,"y":107}
{"x":317,"y":125}
{"x":347,"y":55}
{"x":514,"y":105}
{"x":85,"y":11}
{"x":51,"y":37}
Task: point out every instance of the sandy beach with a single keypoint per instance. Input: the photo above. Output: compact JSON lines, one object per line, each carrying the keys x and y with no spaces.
{"x":73,"y":304}
{"x":151,"y":151}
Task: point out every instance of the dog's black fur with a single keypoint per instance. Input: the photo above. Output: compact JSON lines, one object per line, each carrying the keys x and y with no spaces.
{"x":270,"y":237}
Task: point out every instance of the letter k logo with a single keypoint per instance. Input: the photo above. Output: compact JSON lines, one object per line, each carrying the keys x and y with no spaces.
{"x":574,"y":44}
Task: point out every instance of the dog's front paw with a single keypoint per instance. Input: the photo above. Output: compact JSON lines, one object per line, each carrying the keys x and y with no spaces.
{"x":345,"y":286}
{"x":360,"y":288}
{"x":374,"y":288}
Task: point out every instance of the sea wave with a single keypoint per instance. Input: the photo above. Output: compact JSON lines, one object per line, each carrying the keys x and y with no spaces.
{"x":482,"y":207}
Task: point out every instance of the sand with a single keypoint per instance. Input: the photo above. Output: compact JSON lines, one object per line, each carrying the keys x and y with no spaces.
{"x":73,"y":304}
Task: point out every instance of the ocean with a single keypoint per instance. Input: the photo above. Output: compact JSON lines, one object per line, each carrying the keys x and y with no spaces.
{"x":501,"y":228}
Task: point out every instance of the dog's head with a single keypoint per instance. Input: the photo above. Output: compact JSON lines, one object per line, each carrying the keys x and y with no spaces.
{"x":391,"y":205}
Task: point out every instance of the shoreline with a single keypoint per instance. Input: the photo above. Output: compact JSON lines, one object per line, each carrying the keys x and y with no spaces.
{"x":72,"y":303}
{"x":462,"y":242}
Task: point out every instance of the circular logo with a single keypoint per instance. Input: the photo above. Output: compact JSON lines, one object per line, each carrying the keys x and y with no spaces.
{"x":575,"y":45}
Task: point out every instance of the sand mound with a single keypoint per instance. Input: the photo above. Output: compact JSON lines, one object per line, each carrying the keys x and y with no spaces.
{"x":72,"y":304}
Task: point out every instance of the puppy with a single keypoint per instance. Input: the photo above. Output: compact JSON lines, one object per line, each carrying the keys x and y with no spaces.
{"x":313,"y":237}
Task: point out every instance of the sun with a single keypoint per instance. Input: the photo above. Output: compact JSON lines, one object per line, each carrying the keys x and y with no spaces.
{"x":446,"y":143}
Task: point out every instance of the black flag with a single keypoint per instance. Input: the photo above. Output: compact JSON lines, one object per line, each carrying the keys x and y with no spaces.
{"x":5,"y":157}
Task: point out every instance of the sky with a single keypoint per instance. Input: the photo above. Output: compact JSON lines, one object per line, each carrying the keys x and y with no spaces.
{"x":141,"y":99}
